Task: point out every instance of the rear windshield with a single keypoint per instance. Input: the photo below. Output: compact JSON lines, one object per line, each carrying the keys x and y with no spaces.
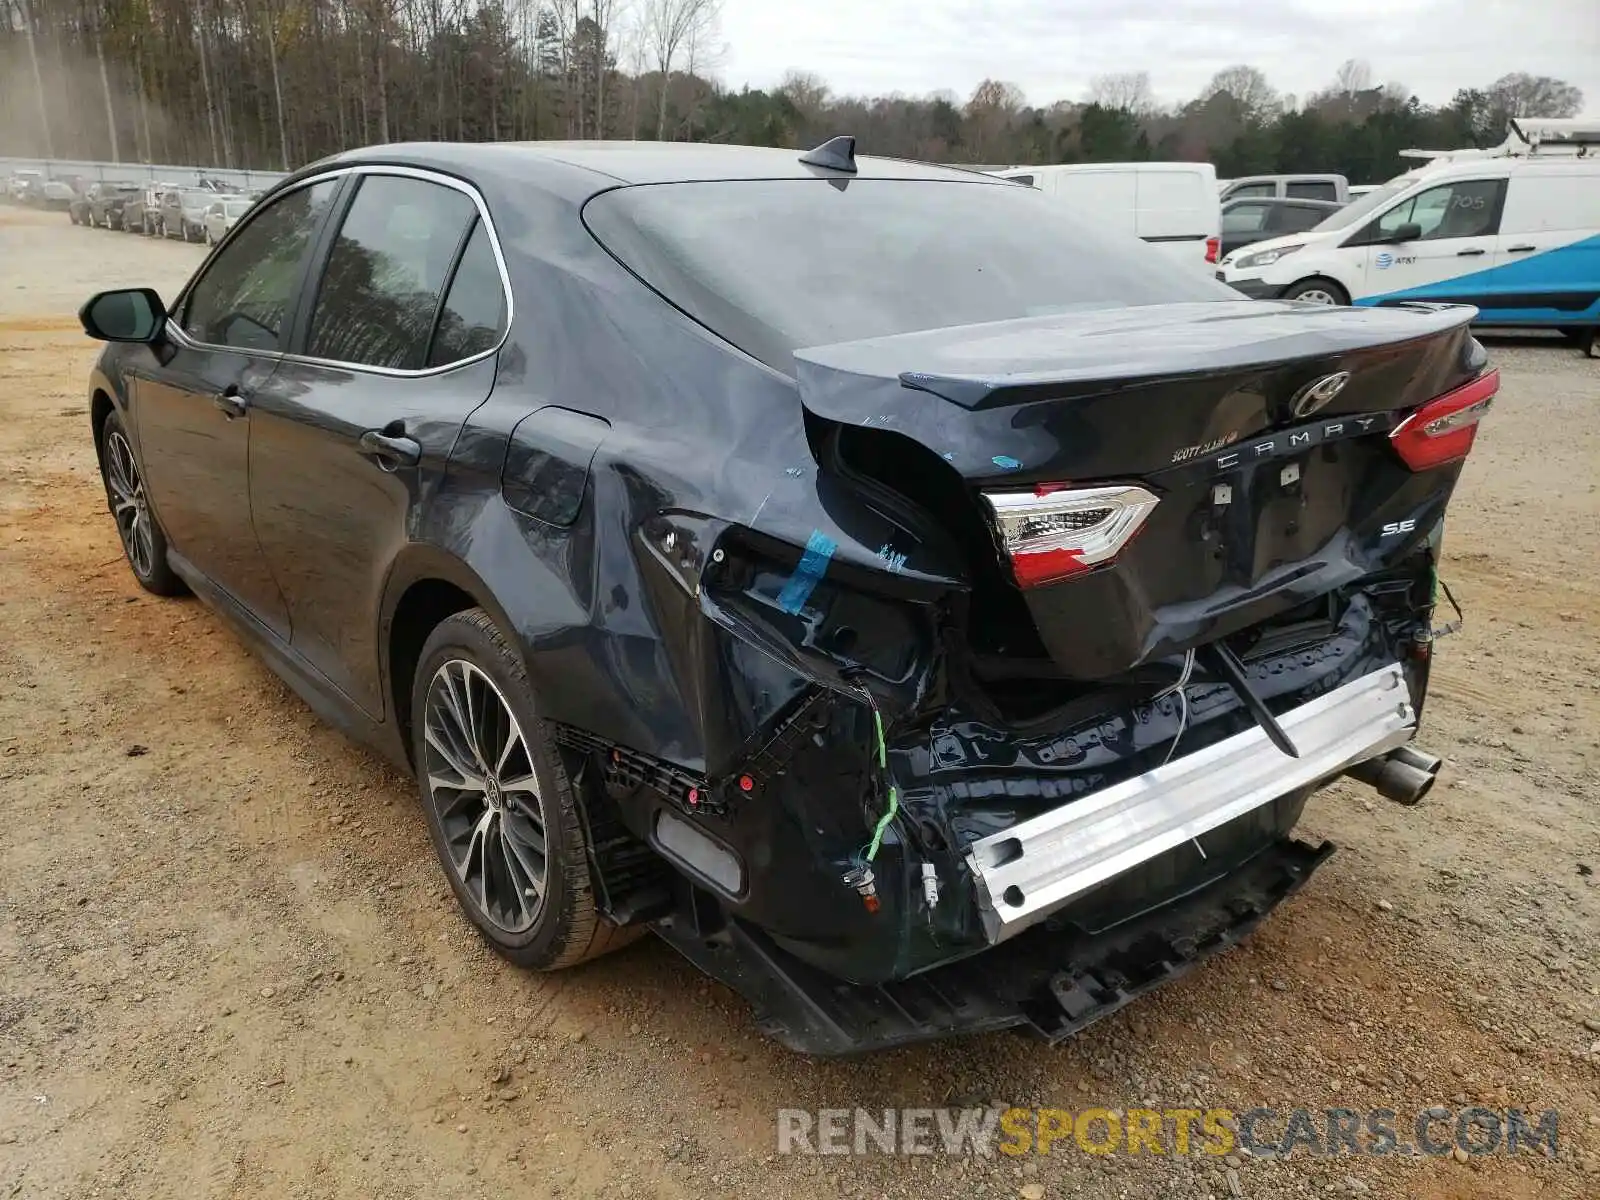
{"x":774,"y":266}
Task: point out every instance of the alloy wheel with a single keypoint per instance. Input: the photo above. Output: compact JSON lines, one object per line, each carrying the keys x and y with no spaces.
{"x":129,"y":506}
{"x":1317,"y":296}
{"x":481,"y":783}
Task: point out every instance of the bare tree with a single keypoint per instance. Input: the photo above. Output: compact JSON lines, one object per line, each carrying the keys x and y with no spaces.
{"x":1523,"y":95}
{"x":1127,"y":92}
{"x":1395,"y":94}
{"x":105,"y":82}
{"x":38,"y":79}
{"x":990,"y":113}
{"x":670,"y":27}
{"x":1352,"y":78}
{"x":1249,"y":88}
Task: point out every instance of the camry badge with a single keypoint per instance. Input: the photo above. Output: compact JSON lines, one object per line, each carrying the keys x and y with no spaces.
{"x":1317,"y":394}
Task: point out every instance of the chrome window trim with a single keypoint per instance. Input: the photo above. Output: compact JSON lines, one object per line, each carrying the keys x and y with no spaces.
{"x":422,"y":173}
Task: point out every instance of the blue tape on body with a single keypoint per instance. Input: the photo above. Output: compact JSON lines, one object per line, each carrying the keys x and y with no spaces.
{"x":812,"y":566}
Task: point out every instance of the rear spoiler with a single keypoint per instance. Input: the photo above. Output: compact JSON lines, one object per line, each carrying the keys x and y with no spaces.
{"x":1007,"y":363}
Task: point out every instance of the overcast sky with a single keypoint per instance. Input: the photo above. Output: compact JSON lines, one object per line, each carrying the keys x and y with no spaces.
{"x":1052,"y":48}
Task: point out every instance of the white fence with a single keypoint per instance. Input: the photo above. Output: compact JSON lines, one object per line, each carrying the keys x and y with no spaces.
{"x":245,"y":181}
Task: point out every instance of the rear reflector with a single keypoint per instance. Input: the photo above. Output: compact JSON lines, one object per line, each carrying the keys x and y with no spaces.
{"x":1442,"y":430}
{"x":1052,"y":533}
{"x":1213,"y":248}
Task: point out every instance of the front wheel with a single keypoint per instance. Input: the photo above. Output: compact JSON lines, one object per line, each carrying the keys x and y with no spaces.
{"x":143,"y":543}
{"x":1318,"y":291}
{"x":501,"y":808}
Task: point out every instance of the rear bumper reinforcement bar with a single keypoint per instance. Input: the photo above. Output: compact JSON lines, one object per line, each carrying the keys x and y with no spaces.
{"x":1032,"y":869}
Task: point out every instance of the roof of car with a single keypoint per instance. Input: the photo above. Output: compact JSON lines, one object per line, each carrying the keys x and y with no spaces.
{"x":639,"y":162}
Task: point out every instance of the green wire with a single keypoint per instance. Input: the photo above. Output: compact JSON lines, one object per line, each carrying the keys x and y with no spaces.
{"x":894,"y":794}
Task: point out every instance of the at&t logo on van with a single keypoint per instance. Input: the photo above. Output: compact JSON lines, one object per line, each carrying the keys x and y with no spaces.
{"x":1384,"y":261}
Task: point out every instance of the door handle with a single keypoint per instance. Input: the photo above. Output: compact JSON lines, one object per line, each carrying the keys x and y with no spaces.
{"x":1470,"y":253}
{"x":1520,"y":249}
{"x":231,"y":401}
{"x":392,"y":451}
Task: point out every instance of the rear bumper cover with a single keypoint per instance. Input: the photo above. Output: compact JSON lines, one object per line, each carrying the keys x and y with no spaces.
{"x":1050,"y":983}
{"x":1029,"y":871}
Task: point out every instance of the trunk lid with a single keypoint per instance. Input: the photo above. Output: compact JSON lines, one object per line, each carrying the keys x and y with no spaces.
{"x":1273,"y":484}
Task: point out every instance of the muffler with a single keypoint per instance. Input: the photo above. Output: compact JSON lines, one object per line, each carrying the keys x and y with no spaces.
{"x":1404,"y":775}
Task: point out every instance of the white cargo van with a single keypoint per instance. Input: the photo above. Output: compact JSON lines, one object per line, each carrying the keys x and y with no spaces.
{"x":1516,"y":233}
{"x":1172,"y":205}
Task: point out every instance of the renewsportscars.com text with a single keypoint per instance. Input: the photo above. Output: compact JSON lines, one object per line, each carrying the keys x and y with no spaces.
{"x":1436,"y":1131}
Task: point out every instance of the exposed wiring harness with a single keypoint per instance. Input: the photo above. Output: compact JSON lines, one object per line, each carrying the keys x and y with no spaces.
{"x":893,"y":810}
{"x":1180,"y":687}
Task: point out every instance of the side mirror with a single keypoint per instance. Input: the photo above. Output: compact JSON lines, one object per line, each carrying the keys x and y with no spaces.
{"x":124,"y":315}
{"x":1409,"y":232}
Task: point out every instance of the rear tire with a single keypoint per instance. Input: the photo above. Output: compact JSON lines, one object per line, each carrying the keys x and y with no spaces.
{"x":501,"y":809}
{"x":1317,"y":290}
{"x":143,"y":543}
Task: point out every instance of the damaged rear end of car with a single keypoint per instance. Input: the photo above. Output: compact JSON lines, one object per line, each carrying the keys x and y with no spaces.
{"x":1040,"y":656}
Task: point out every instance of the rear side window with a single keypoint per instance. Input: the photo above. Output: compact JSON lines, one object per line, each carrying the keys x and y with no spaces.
{"x":777,"y":265}
{"x":386,"y":272}
{"x":474,"y":312}
{"x":1295,"y":218}
{"x":1022,"y":179}
{"x":1252,"y":189}
{"x":1309,"y":190}
{"x":1245,"y":218}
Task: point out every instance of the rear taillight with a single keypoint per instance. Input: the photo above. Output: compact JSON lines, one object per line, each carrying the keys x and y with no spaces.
{"x":1056,"y":531}
{"x":1442,"y":430}
{"x":1213,"y":248}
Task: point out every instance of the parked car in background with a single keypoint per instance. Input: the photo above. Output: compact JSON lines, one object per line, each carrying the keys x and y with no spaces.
{"x":140,"y":210}
{"x":1173,"y":206}
{"x":222,"y":215}
{"x":1246,"y":221}
{"x":1517,"y":236}
{"x":1328,"y":187}
{"x":58,"y":194}
{"x":78,"y":209}
{"x":106,"y":208}
{"x":1297,"y":187}
{"x":183,"y":213}
{"x":923,"y":633}
{"x":17,"y":186}
{"x":1358,"y":190}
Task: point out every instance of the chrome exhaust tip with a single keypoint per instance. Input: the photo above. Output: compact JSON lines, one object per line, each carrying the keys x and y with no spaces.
{"x":1404,"y":775}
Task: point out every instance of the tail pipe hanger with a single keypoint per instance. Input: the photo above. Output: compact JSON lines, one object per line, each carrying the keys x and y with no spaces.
{"x":1226,"y":664}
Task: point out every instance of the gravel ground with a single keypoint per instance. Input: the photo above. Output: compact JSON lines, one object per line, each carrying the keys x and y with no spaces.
{"x":230,"y":967}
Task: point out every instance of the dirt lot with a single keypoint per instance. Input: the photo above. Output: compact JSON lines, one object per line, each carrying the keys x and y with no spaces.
{"x":230,"y":967}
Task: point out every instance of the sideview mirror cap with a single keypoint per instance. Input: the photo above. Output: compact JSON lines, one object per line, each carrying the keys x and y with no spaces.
{"x":124,"y":315}
{"x":1406,"y":233}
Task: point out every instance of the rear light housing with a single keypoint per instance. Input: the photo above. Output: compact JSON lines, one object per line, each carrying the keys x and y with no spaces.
{"x":1057,"y":531}
{"x":1443,"y":429}
{"x":1213,"y":249}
